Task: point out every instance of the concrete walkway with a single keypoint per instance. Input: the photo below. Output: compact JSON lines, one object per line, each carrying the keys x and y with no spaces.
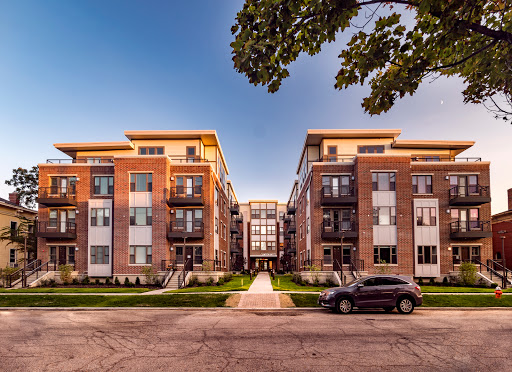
{"x":260,"y":294}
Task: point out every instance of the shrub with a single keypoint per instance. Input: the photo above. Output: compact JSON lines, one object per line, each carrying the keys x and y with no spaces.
{"x":150,"y":276}
{"x":116,"y":281}
{"x":383,"y":268}
{"x":194,"y":280}
{"x":209,"y":281}
{"x":126,"y":282}
{"x":431,"y":281}
{"x":75,"y":281}
{"x":296,"y":278}
{"x":494,"y":285}
{"x":53,"y":283}
{"x":137,"y":281}
{"x":228,"y":277}
{"x":107,"y":281}
{"x":316,"y":281}
{"x":97,"y":282}
{"x":65,"y":273}
{"x":206,"y":266}
{"x":221,"y":281}
{"x":86,"y":280}
{"x":329,"y":283}
{"x":420,"y":281}
{"x":305,"y":282}
{"x":445,"y":280}
{"x":467,"y":274}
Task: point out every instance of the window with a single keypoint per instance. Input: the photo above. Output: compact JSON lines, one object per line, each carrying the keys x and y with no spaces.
{"x":281,"y":216}
{"x":104,"y":185}
{"x":327,"y":256}
{"x":335,"y":185}
{"x":14,"y":231}
{"x":426,"y":216}
{"x":93,"y":160}
{"x":263,"y":213}
{"x":383,"y":181}
{"x":140,"y":254}
{"x":384,"y":254}
{"x":189,"y":186}
{"x":216,"y":225}
{"x":467,"y":219}
{"x":216,"y":196}
{"x":255,"y":229}
{"x":141,"y":182}
{"x":198,"y":255}
{"x":151,"y":150}
{"x":422,"y":184}
{"x":224,"y":231}
{"x":263,"y":230}
{"x":223,"y":259}
{"x":141,"y":217}
{"x":62,"y":186}
{"x":371,"y":149}
{"x":384,"y":215}
{"x":307,"y":227}
{"x":100,"y":216}
{"x":464,"y":185}
{"x":191,"y":154}
{"x":271,"y":230}
{"x":271,"y":246}
{"x":70,"y":255}
{"x":432,"y":158}
{"x":99,"y":254}
{"x":427,"y":254}
{"x":465,"y":253}
{"x":255,"y":213}
{"x":332,"y":153}
{"x":12,"y":255}
{"x":179,"y":255}
{"x":255,"y":246}
{"x":53,"y":254}
{"x":263,"y":246}
{"x":222,"y":176}
{"x":271,"y":213}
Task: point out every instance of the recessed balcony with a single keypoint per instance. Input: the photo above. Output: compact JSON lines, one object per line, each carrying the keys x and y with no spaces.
{"x":338,"y":229}
{"x":469,"y":195}
{"x":337,"y":196}
{"x":54,"y":196}
{"x":470,"y":229}
{"x":185,"y":230}
{"x":56,"y":230}
{"x":182,"y":196}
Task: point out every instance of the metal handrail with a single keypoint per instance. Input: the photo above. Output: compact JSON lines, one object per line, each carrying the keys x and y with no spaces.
{"x":443,"y":158}
{"x":338,"y":225}
{"x":471,"y":225}
{"x":355,"y":266}
{"x":501,"y":267}
{"x":56,"y":226}
{"x":180,"y":226}
{"x":468,"y":190}
{"x":186,"y":191}
{"x":342,"y":191}
{"x":80,"y":161}
{"x":340,"y":270}
{"x":181,"y":277}
{"x":170,"y":268}
{"x":57,"y":192}
{"x":36,"y":271}
{"x":18,"y":274}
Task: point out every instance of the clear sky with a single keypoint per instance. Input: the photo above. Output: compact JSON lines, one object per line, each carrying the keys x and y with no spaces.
{"x":73,"y":71}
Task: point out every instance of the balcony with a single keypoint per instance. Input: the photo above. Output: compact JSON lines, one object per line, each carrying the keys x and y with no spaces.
{"x":290,"y":207}
{"x":235,"y":248}
{"x":183,"y":196}
{"x":470,"y":229}
{"x":469,"y":195}
{"x":290,"y":248}
{"x":234,"y":227}
{"x":56,"y":230}
{"x":234,"y":209}
{"x":335,"y":229}
{"x":54,"y":196}
{"x":343,"y":195}
{"x":239,"y":218}
{"x":185,"y":230}
{"x":291,"y":227}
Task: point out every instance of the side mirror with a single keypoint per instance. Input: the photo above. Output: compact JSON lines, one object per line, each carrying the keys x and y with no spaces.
{"x":360,"y":285}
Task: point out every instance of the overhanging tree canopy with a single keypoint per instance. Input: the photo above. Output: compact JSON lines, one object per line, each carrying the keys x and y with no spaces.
{"x":471,"y":39}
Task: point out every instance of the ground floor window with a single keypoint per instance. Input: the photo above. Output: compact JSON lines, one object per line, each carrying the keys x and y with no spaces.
{"x":198,"y":255}
{"x":179,"y":255}
{"x":12,"y":255}
{"x":140,"y":254}
{"x":99,"y":254}
{"x":70,"y":257}
{"x":384,"y":254}
{"x":327,"y":256}
{"x":465,"y":253}
{"x":427,"y":254}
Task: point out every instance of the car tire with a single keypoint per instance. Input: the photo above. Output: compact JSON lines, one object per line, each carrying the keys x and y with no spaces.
{"x":344,"y":305}
{"x":389,"y":309}
{"x":405,"y":305}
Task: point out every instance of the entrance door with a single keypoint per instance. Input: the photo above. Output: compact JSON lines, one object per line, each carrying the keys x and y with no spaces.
{"x":189,"y":258}
{"x":189,"y":221}
{"x":336,"y":258}
{"x":190,"y":188}
{"x":465,"y":255}
{"x":62,"y":255}
{"x":347,"y":251}
{"x":62,"y":221}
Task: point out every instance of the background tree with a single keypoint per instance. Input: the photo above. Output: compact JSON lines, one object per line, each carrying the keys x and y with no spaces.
{"x":26,"y":183}
{"x":16,"y":237}
{"x":467,"y":38}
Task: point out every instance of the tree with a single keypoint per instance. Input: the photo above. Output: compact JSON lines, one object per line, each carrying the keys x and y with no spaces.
{"x":26,"y":183}
{"x":16,"y":237}
{"x":471,"y":39}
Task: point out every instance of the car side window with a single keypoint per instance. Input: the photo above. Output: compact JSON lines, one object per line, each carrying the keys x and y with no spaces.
{"x":392,"y":281}
{"x":370,"y":282}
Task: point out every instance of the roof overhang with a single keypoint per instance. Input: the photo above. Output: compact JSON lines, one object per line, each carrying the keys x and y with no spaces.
{"x":71,"y":149}
{"x":458,"y":146}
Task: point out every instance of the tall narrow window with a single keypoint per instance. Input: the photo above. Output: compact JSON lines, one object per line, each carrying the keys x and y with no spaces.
{"x":332,"y":152}
{"x":141,"y":182}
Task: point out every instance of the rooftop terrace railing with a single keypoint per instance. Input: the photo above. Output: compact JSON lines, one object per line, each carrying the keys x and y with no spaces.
{"x":443,"y":158}
{"x":81,"y":161}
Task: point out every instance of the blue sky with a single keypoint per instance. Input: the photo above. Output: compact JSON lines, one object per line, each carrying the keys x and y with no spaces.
{"x":73,"y":71}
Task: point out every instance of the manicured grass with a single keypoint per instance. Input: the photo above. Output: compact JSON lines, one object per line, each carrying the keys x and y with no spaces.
{"x":284,"y":283}
{"x":304,"y":299}
{"x":437,"y":289}
{"x":465,"y":301}
{"x":77,"y":290}
{"x":234,"y":285}
{"x":199,"y":300}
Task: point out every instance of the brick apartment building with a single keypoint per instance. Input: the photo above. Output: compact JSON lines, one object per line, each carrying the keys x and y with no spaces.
{"x":160,"y":199}
{"x":365,"y":199}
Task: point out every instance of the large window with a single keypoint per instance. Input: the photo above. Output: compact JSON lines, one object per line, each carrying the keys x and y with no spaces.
{"x":141,"y":216}
{"x":271,"y":229}
{"x":255,"y":213}
{"x":427,"y":254}
{"x":426,"y":216}
{"x":255,"y":246}
{"x":335,"y":185}
{"x":103,"y":185}
{"x":464,"y":185}
{"x":371,"y":149}
{"x":151,"y":150}
{"x":271,"y":213}
{"x":271,"y":246}
{"x":255,"y":229}
{"x":383,"y":254}
{"x":100,"y":216}
{"x":384,"y":215}
{"x":99,"y":254}
{"x":422,"y":184}
{"x":465,"y":253}
{"x":190,"y":219}
{"x":141,"y":182}
{"x":383,"y":181}
{"x":189,"y":186}
{"x":62,"y":186}
{"x":70,"y":255}
{"x":140,"y":254}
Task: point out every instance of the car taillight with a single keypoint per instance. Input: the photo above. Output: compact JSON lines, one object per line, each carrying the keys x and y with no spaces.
{"x":418,"y":288}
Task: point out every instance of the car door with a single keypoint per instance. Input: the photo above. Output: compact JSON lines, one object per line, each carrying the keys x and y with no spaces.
{"x":387,"y":290}
{"x":366,"y":293}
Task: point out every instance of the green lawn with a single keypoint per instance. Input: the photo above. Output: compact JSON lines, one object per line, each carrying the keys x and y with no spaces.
{"x":436,"y":289}
{"x":234,"y":285}
{"x":429,"y":300}
{"x":76,"y":290}
{"x":199,"y":300}
{"x":284,"y":283}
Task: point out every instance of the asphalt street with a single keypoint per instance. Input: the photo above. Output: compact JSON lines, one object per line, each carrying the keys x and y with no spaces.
{"x":249,"y":340}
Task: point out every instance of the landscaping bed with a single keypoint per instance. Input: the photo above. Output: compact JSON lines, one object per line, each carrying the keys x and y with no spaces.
{"x":80,"y":289}
{"x":449,"y":289}
{"x":286,"y":283}
{"x":235,"y":284}
{"x":180,"y":300}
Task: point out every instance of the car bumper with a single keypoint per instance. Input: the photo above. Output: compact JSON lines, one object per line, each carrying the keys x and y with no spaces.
{"x":326,"y":301}
{"x":419,"y":300}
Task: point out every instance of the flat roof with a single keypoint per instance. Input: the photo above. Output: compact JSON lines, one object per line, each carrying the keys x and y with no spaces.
{"x":71,"y":148}
{"x":420,"y":144}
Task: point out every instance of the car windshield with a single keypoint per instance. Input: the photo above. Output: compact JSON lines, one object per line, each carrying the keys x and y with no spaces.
{"x":354,"y":282}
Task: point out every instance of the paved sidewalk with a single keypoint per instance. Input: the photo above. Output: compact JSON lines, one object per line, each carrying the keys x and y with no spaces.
{"x":261,"y":284}
{"x":260,"y":294}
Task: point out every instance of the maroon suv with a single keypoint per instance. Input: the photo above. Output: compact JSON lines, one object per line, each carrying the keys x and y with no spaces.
{"x":374,"y":291}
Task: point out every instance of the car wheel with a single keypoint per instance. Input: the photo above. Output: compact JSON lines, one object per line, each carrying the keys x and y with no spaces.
{"x":389,"y":309}
{"x":344,"y":305}
{"x":405,"y":305}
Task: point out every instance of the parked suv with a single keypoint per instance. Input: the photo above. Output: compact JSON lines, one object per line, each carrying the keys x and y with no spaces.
{"x":385,"y":291}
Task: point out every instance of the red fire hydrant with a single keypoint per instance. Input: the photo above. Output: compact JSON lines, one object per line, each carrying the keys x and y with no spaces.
{"x":498,"y":292}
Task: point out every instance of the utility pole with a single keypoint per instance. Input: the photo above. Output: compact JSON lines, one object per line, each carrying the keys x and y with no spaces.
{"x":503,"y":262}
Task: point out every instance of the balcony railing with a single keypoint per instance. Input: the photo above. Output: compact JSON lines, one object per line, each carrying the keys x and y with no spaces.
{"x":184,"y":159}
{"x":234,"y":227}
{"x":81,"y":161}
{"x":291,"y":227}
{"x":234,"y":209}
{"x":181,"y":196}
{"x":342,"y":195}
{"x":290,"y":248}
{"x":56,"y":230}
{"x":239,"y":217}
{"x":470,"y":229}
{"x":290,"y":207}
{"x":469,"y":195}
{"x":185,"y":230}
{"x":443,"y":158}
{"x":55,"y":196}
{"x":335,"y":229}
{"x":235,"y":248}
